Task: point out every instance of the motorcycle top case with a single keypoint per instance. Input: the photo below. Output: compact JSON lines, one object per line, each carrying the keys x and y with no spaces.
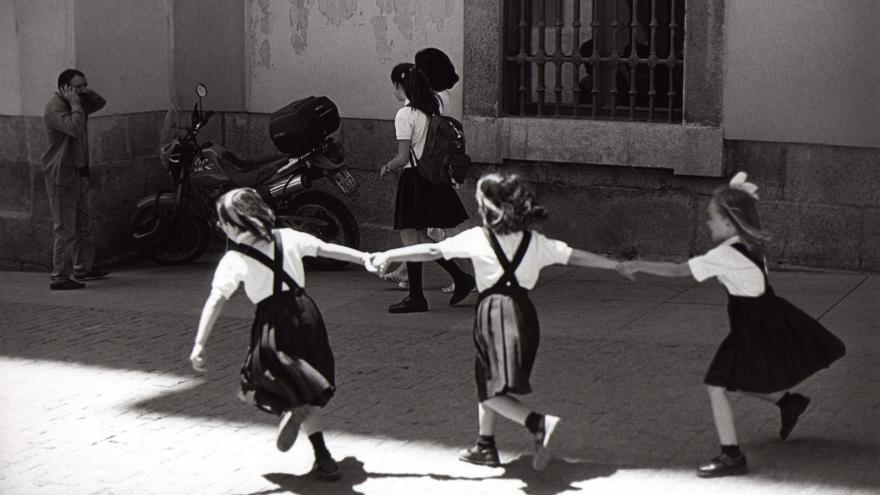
{"x":301,"y":126}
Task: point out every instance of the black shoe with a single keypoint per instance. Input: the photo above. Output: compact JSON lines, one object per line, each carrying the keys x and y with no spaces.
{"x":409,"y":305}
{"x":791,"y":406}
{"x":463,"y":287}
{"x":484,"y":456}
{"x":92,"y":274}
{"x":327,"y":469}
{"x":66,"y":284}
{"x":724,"y":465}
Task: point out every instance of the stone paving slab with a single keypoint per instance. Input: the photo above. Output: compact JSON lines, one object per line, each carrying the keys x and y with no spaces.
{"x":98,"y":395}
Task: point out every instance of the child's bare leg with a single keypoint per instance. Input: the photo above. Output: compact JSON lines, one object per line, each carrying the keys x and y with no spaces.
{"x":540,"y":425}
{"x":723,"y":415}
{"x":487,"y":420}
{"x":508,"y":407}
{"x":325,"y":466}
{"x":484,"y":452}
{"x":774,"y":398}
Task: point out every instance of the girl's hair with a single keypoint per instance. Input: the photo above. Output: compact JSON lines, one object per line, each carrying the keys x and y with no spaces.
{"x":741,"y":208}
{"x":399,"y":73}
{"x":417,"y":89}
{"x":506,"y":204}
{"x":244,"y":209}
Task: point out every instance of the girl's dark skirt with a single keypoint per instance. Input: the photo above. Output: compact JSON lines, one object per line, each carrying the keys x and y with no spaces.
{"x":421,"y":204}
{"x":772,"y":346}
{"x":289,"y":362}
{"x":506,"y":334}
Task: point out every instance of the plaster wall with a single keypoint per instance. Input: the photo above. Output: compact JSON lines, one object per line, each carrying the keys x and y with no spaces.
{"x":802,"y":72}
{"x":45,"y":48}
{"x":123,"y":48}
{"x":344,"y":49}
{"x":209,"y":48}
{"x":10,"y":88}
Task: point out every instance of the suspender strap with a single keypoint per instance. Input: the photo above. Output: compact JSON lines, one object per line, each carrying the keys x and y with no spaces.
{"x":510,"y":266}
{"x":754,"y":259}
{"x":276,"y":265}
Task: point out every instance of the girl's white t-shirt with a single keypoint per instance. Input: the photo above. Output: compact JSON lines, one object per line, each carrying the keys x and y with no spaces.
{"x":733,"y":269}
{"x":236,"y":268}
{"x":411,"y":124}
{"x":474,"y":244}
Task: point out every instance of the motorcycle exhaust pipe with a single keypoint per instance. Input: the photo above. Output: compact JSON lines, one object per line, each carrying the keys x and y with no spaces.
{"x":289,"y":185}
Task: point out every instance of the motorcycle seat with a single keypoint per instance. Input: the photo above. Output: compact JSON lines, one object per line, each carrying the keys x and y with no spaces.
{"x":248,"y":173}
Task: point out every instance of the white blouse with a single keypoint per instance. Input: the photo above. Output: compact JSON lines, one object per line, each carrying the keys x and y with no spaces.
{"x":734,"y":270}
{"x":236,"y":268}
{"x":474,"y":244}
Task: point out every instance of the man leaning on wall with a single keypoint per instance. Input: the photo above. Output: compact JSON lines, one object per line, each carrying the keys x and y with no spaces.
{"x":66,"y":173}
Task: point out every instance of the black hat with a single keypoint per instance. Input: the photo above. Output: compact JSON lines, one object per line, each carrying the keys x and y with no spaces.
{"x":437,"y":66}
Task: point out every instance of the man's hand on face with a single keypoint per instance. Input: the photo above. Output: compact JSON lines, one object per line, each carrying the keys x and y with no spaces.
{"x":69,"y":93}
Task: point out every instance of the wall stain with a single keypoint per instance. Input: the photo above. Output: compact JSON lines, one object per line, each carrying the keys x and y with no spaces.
{"x":266,"y":20}
{"x":336,"y":11}
{"x":380,"y":34}
{"x":299,"y":21}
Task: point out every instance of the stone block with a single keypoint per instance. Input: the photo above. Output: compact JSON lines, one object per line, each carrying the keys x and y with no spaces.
{"x":108,"y":140}
{"x":236,"y":134}
{"x":763,"y":162}
{"x":38,"y":197}
{"x":481,"y":66}
{"x":26,"y":243}
{"x":368,"y":143}
{"x":13,"y":144}
{"x":619,"y":221}
{"x":870,"y":245}
{"x":145,"y":133}
{"x":259,"y":141}
{"x":35,"y":136}
{"x":16,"y":196}
{"x":481,"y":135}
{"x":832,"y":174}
{"x":813,"y":235}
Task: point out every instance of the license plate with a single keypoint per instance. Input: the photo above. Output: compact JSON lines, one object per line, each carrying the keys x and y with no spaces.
{"x":344,"y":181}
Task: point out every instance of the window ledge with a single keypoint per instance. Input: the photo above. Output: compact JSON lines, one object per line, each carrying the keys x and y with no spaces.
{"x":686,"y":149}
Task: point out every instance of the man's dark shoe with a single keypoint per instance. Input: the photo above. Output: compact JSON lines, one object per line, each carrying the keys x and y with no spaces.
{"x":327,"y":469}
{"x":66,"y":284}
{"x":92,"y":274}
{"x":463,"y":287}
{"x":791,"y":406}
{"x":409,"y":305}
{"x":724,"y":465}
{"x":484,"y":456}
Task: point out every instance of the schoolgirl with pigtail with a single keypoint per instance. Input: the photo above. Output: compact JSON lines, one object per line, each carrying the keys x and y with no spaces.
{"x":289,"y":369}
{"x":420,"y":203}
{"x":507,"y":258}
{"x":772,"y":346}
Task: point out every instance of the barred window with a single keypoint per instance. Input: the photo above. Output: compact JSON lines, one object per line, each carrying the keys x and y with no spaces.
{"x":600,"y":59}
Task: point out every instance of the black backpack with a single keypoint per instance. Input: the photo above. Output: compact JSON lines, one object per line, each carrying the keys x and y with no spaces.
{"x":444,"y":161}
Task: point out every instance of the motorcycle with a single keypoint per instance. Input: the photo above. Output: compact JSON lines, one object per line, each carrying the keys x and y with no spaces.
{"x":173,"y":227}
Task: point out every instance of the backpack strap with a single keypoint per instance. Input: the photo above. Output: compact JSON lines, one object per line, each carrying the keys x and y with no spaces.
{"x":276,"y":265}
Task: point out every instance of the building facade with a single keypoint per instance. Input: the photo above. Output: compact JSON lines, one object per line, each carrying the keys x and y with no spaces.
{"x":624,"y":115}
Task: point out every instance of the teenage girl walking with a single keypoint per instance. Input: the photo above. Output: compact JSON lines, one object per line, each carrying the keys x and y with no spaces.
{"x":772,"y":345}
{"x":507,"y":259}
{"x":289,"y":367}
{"x":420,"y":203}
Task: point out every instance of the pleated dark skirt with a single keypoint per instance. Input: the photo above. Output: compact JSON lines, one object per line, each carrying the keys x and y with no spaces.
{"x":506,"y":334}
{"x":772,"y":346}
{"x":422,"y":204}
{"x":289,"y":362}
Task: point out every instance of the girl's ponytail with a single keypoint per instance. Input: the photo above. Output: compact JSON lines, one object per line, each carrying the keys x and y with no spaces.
{"x":417,"y":88}
{"x":741,"y":208}
{"x":506,"y":204}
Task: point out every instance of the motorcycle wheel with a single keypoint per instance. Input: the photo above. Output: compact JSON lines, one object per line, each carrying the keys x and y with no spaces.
{"x":177,"y":239}
{"x":334,"y":223}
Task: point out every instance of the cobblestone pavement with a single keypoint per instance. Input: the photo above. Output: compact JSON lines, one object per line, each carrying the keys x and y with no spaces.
{"x":98,"y":396}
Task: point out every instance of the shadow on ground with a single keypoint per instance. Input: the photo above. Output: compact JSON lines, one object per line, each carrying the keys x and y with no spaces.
{"x":560,"y":476}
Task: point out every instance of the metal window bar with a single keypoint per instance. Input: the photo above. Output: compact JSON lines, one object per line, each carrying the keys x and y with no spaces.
{"x":630,"y":68}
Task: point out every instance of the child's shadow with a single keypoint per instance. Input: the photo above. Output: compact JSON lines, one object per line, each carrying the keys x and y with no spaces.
{"x":559,"y":476}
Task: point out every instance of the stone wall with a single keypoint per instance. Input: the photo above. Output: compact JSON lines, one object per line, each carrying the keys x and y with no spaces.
{"x":124,"y":168}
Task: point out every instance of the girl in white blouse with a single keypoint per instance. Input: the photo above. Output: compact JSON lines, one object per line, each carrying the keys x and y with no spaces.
{"x":289,"y":369}
{"x":507,"y":259}
{"x":772,"y":345}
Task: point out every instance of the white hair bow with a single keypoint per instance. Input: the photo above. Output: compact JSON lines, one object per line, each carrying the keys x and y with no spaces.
{"x":739,"y":182}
